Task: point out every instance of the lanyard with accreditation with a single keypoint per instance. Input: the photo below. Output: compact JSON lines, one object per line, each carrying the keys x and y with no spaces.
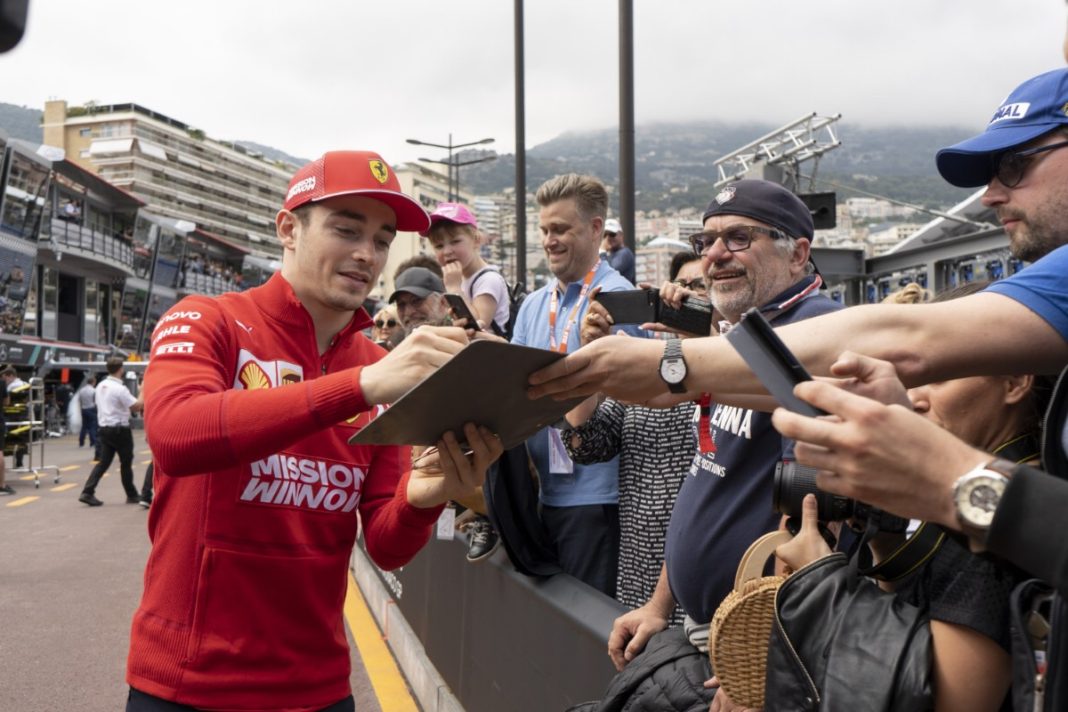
{"x":562,"y":346}
{"x":559,"y":462}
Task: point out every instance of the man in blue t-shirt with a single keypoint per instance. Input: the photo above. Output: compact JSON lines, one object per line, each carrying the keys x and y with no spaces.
{"x":755,"y":253}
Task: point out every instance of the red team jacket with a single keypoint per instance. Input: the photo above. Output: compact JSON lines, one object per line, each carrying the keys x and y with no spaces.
{"x":255,"y":512}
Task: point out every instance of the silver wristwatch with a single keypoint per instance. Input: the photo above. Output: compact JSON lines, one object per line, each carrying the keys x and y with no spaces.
{"x":976,"y":495}
{"x":673,"y":366}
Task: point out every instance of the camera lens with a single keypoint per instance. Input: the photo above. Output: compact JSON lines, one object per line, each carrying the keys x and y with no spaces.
{"x":794,"y":481}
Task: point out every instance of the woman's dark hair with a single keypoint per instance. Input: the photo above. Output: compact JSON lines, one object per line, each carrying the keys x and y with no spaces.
{"x":419,"y":260}
{"x":680,"y":259}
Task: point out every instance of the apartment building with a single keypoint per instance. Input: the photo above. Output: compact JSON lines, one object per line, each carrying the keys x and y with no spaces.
{"x":175,"y":168}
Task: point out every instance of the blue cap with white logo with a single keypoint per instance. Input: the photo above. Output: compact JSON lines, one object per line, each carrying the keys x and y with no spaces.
{"x":1034,"y":108}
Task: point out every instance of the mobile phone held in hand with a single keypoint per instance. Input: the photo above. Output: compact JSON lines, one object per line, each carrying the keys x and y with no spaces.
{"x":639,"y":306}
{"x":631,"y":306}
{"x":460,"y":311}
{"x":776,"y":367}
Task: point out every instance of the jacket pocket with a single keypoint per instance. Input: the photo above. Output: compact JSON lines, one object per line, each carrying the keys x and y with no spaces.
{"x":259,"y":616}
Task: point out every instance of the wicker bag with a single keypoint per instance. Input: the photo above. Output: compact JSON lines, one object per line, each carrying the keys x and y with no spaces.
{"x":738,"y":635}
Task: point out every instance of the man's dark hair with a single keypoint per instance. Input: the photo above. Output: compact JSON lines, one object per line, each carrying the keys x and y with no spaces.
{"x":303,"y":212}
{"x":114,"y":364}
{"x":681,"y":258}
{"x":9,"y":371}
{"x":419,"y":261}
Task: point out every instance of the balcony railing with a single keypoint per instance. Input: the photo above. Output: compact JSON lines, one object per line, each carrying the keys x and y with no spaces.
{"x":68,"y":233}
{"x":198,"y":283}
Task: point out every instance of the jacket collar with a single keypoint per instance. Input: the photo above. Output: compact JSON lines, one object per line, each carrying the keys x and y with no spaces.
{"x":277,"y":300}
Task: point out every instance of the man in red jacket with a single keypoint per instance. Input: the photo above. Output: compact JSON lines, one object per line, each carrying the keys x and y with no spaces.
{"x":251,"y":399}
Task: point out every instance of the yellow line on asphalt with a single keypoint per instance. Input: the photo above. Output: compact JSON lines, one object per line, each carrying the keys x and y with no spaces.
{"x":64,"y":488}
{"x":144,"y":452}
{"x":390,"y":688}
{"x":146,"y":462}
{"x":68,"y":468}
{"x":21,"y":501}
{"x":27,"y":478}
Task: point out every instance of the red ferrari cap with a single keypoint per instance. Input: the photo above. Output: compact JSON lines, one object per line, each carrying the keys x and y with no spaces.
{"x":355,"y":173}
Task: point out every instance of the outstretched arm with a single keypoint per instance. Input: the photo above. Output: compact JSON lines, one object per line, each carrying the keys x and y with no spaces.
{"x":979,"y":334}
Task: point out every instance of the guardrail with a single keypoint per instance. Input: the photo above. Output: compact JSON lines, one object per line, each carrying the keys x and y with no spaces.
{"x":500,"y":640}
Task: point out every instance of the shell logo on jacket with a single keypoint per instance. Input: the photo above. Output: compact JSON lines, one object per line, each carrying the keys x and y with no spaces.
{"x":253,"y":373}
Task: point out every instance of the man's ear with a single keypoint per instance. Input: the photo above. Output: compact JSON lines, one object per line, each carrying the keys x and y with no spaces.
{"x":1017,"y":387}
{"x":802,"y":252}
{"x":287,"y":227}
{"x":598,"y":227}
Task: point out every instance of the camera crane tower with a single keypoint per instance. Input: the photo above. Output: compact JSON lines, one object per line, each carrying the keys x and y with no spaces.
{"x":778,"y":156}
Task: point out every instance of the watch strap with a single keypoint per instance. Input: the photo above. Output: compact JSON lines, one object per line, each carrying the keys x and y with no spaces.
{"x":673,"y":352}
{"x":977,"y":534}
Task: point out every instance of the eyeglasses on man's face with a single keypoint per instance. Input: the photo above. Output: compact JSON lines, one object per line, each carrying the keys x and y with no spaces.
{"x":385,"y":323}
{"x":736,"y":238}
{"x":697,"y":284}
{"x":1011,"y":166}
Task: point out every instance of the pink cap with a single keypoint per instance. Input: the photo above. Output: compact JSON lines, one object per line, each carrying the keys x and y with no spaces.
{"x":453,"y":212}
{"x":355,"y":173}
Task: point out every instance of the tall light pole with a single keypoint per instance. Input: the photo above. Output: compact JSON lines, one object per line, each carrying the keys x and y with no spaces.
{"x":453,"y":166}
{"x":626,"y":121}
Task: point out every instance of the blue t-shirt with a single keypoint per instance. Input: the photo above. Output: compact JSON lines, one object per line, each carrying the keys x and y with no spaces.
{"x":724,"y":503}
{"x":588,"y":484}
{"x":1043,"y":288}
{"x":622,"y":260}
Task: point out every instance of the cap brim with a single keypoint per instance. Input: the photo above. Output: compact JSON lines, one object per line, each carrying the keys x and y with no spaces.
{"x":411,"y":217}
{"x":968,"y":164}
{"x":417,"y":291}
{"x":435,"y":219}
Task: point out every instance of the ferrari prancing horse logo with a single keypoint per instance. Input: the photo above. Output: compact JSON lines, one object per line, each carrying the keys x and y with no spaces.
{"x":379,"y":171}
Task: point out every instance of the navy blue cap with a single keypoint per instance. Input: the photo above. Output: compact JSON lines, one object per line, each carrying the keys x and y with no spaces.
{"x":768,"y":202}
{"x":1034,"y":108}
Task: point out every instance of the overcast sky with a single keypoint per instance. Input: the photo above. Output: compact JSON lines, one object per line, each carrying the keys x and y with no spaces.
{"x":317,"y":75}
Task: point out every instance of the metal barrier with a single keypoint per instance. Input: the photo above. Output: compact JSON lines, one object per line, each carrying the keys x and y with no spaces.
{"x":35,"y":433}
{"x":498,"y":639}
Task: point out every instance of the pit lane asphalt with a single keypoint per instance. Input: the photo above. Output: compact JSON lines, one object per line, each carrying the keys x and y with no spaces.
{"x":70,"y":580}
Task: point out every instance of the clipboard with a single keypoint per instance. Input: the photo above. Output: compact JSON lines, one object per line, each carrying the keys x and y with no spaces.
{"x":485,"y":384}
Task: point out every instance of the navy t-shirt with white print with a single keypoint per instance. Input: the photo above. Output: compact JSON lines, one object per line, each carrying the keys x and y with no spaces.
{"x":724,"y":503}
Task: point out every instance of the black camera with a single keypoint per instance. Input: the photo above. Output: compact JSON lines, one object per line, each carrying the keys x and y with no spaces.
{"x":794,"y":481}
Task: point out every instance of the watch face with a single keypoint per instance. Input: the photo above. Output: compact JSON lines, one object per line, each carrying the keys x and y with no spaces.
{"x":673,"y":371}
{"x":978,"y":499}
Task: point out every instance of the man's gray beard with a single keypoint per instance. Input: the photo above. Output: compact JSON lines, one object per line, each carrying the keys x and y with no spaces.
{"x":733,"y":304}
{"x":443,"y":321}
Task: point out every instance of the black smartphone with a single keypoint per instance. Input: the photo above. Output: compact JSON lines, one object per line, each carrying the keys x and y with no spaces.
{"x":632,"y":306}
{"x":639,"y":306}
{"x":460,"y":311}
{"x":776,"y":367}
{"x":694,"y":316}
